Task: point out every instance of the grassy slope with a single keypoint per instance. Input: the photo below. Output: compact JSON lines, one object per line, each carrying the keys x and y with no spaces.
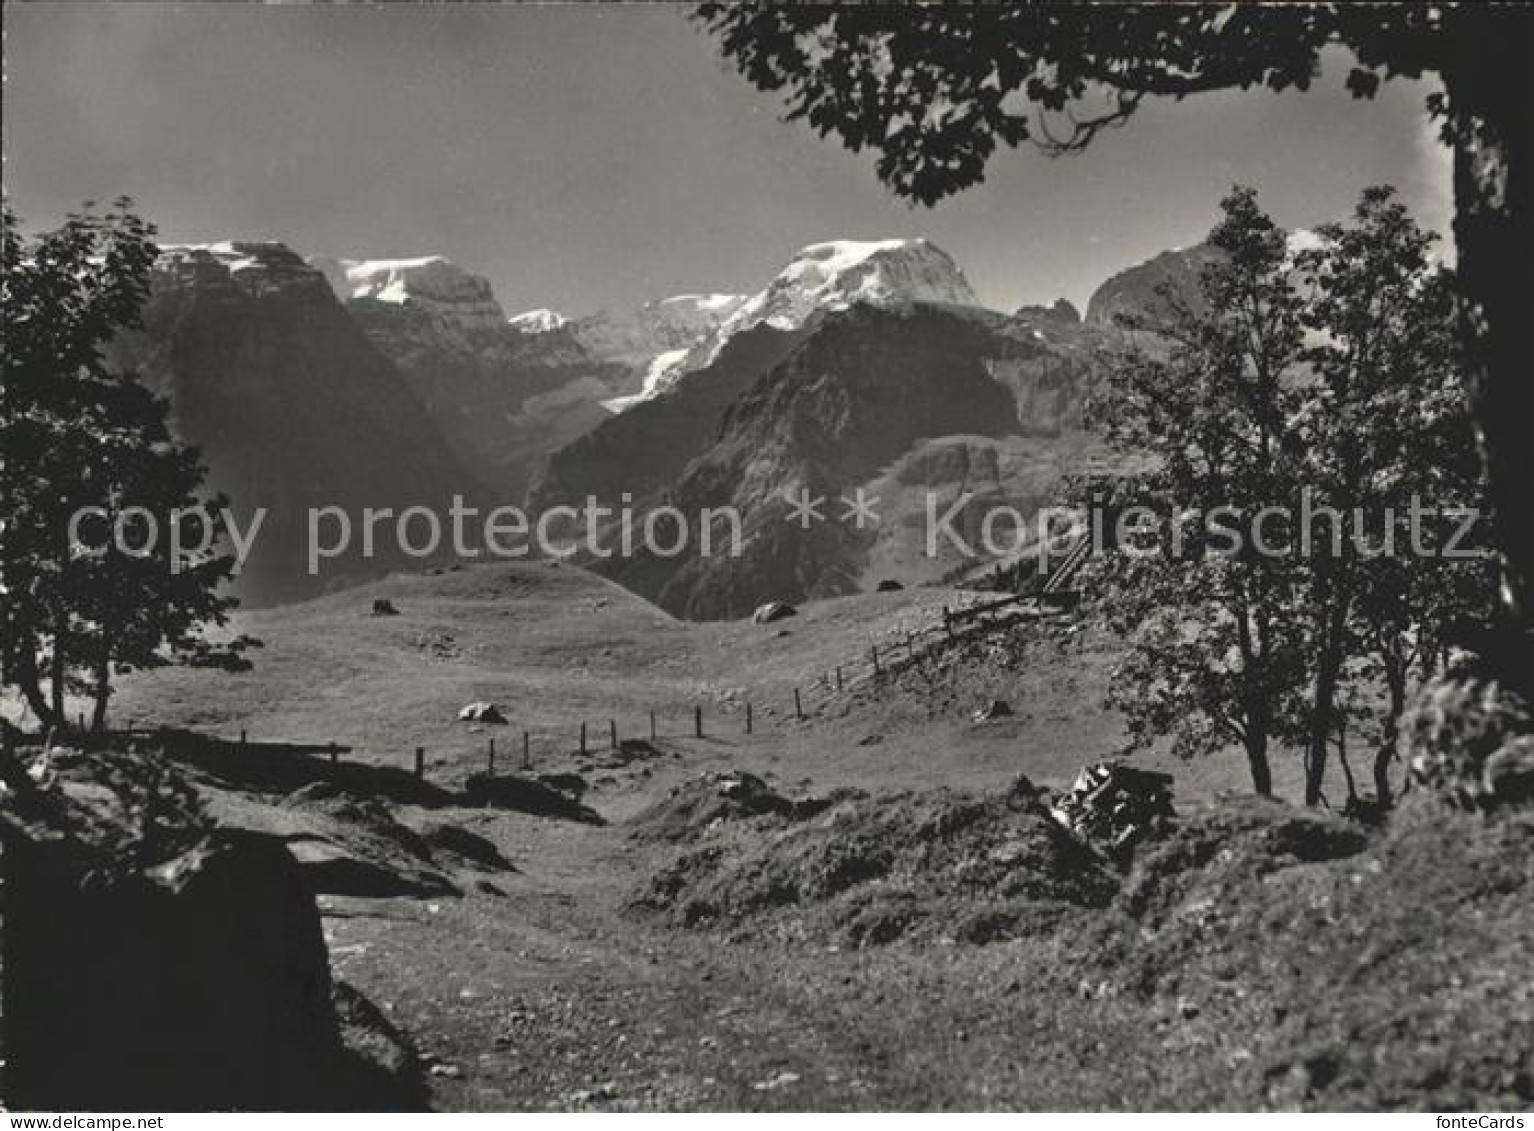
{"x":539,"y":994}
{"x":556,"y":646}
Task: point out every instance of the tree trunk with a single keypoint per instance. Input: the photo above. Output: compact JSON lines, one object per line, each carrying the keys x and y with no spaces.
{"x":58,"y":667}
{"x":1386,"y":754}
{"x":103,"y":678}
{"x":1257,"y":762}
{"x":1489,"y":78}
{"x":1347,"y":768}
{"x":25,"y":676}
{"x":1323,"y":713}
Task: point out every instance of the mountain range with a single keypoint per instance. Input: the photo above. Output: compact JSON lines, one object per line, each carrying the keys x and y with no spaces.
{"x":861,"y":365}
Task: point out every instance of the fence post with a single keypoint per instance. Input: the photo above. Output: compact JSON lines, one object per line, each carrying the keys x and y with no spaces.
{"x":492,"y":756}
{"x":652,"y":726}
{"x":527,"y":756}
{"x":838,"y":679}
{"x":873,"y":651}
{"x":798,"y":706}
{"x":748,"y":718}
{"x":420,"y":762}
{"x":242,"y":741}
{"x":583,"y":738}
{"x":612,"y":732}
{"x":697,"y":721}
{"x":335,"y":754}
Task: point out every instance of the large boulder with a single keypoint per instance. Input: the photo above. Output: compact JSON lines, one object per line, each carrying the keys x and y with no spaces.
{"x":482,"y":712}
{"x":153,"y":961}
{"x":773,"y":611}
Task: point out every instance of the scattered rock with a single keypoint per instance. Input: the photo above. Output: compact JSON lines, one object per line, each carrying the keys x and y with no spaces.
{"x":772,"y":1083}
{"x":889,"y":585}
{"x":995,"y":709}
{"x":383,"y":607}
{"x":773,"y":611}
{"x":482,"y":712}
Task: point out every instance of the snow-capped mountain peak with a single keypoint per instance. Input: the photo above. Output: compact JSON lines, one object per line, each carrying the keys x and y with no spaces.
{"x":430,"y":285}
{"x":539,"y":321}
{"x":832,"y":275}
{"x":426,"y":277}
{"x":837,"y":273}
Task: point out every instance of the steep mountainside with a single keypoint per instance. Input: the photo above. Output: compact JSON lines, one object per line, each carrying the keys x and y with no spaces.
{"x":503,"y":395}
{"x":865,"y":387}
{"x":655,"y":340}
{"x":1134,"y":291}
{"x":291,"y":405}
{"x":904,"y":400}
{"x":645,"y":448}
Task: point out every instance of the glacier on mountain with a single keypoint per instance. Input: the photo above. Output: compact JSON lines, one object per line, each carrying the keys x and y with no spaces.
{"x":823,"y":276}
{"x":539,"y":321}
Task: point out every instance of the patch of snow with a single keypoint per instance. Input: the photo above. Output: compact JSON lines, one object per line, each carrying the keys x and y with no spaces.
{"x":660,"y":375}
{"x":837,"y":273}
{"x":398,"y":280}
{"x":539,"y":321}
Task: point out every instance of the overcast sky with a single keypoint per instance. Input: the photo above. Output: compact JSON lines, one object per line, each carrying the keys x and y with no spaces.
{"x":585,"y":157}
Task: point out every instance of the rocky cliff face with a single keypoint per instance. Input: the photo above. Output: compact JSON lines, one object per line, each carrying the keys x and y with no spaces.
{"x":645,"y":448}
{"x":503,"y":394}
{"x":1134,"y":292}
{"x":656,"y":341}
{"x":430,"y":284}
{"x":1062,"y":312}
{"x":291,"y":405}
{"x":862,"y":389}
